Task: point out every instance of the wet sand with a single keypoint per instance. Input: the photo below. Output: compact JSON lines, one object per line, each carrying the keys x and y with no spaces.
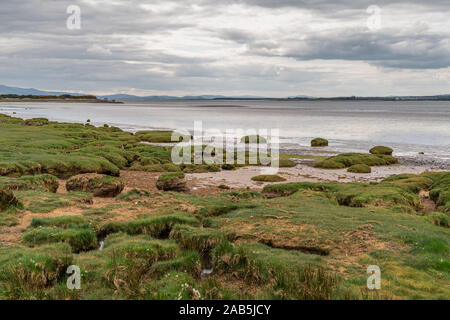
{"x":241,"y":178}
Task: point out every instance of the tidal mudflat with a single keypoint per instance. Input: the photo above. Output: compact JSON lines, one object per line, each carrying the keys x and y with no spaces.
{"x":141,"y":227}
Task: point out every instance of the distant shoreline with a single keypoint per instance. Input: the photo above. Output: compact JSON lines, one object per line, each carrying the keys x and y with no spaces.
{"x":60,"y":100}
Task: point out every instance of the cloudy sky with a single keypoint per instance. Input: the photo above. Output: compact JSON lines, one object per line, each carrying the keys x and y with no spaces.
{"x":232,"y":47}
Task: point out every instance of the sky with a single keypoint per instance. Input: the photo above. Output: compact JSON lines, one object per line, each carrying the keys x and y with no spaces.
{"x":271,"y":48}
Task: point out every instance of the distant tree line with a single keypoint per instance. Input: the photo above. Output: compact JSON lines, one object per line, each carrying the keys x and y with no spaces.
{"x":45,"y":97}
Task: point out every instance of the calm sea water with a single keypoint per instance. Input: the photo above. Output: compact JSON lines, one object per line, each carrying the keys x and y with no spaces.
{"x":409,"y":127}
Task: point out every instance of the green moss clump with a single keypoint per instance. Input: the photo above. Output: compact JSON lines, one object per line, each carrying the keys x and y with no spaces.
{"x":440,"y":190}
{"x":169,"y":176}
{"x":199,"y":239}
{"x":46,"y":182}
{"x":25,"y":272}
{"x":159,"y":136}
{"x":80,"y":239}
{"x":7,"y":199}
{"x":329,"y":164}
{"x":175,"y":181}
{"x":35,"y":122}
{"x":133,"y":195}
{"x":253,"y":139}
{"x":130,"y":258}
{"x":352,"y":194}
{"x":62,"y":222}
{"x":359,"y":168}
{"x":155,"y":226}
{"x":268,"y":178}
{"x":438,"y":218}
{"x":286,"y":163}
{"x":350,"y":159}
{"x":200,"y":168}
{"x":99,"y":186}
{"x":319,"y":142}
{"x":381,"y":150}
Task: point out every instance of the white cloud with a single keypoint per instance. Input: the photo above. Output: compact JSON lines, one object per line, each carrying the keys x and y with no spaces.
{"x":259,"y":47}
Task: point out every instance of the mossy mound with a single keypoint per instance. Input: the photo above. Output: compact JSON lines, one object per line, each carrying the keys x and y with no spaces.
{"x":440,"y":190}
{"x":329,"y":164}
{"x":351,"y":194}
{"x":200,"y":168}
{"x":160,"y":136}
{"x":199,"y":239}
{"x":349,"y":159}
{"x":7,"y":199}
{"x":133,"y":195}
{"x":286,"y":163}
{"x":79,"y":238}
{"x":36,"y":122}
{"x":359,"y":168}
{"x":158,"y":227}
{"x":268,"y":178}
{"x":98,"y":185}
{"x":62,"y":222}
{"x":253,"y":139}
{"x":129,"y":259}
{"x":46,"y":182}
{"x":29,"y":271}
{"x":319,"y":142}
{"x":175,"y":181}
{"x":381,"y":150}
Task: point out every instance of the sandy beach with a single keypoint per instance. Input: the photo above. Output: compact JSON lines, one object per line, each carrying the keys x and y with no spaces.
{"x":241,"y":178}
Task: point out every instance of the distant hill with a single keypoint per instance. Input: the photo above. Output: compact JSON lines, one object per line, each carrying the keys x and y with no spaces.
{"x":31,"y":91}
{"x":128,"y":97}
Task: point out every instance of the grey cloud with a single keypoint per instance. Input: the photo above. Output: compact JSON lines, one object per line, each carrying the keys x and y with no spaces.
{"x":40,"y":51}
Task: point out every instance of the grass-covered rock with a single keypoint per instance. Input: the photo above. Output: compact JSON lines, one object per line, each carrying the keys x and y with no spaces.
{"x":172,"y":182}
{"x":159,"y":136}
{"x":352,"y":194}
{"x":46,"y":182}
{"x":25,"y":273}
{"x":130,"y":259}
{"x":62,"y":222}
{"x":268,"y":178}
{"x":7,"y":199}
{"x":35,"y":122}
{"x":133,"y":195}
{"x":98,"y":185}
{"x":200,"y":168}
{"x":253,"y":139}
{"x":79,"y":238}
{"x":319,"y":142}
{"x":286,"y":163}
{"x":359,"y":168}
{"x":199,"y":239}
{"x":381,"y":150}
{"x":350,"y":159}
{"x":329,"y":164}
{"x":158,"y":227}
